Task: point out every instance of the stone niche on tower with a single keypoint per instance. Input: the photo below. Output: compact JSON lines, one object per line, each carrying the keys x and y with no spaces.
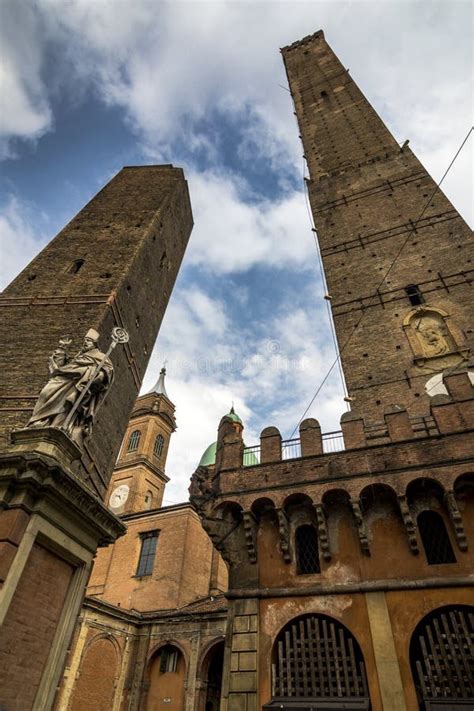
{"x":139,"y":478}
{"x":435,"y":339}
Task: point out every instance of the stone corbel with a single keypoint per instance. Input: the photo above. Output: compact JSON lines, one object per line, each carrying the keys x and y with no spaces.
{"x":361,"y":528}
{"x":250,"y":530}
{"x":284,"y":533}
{"x":323,"y":537}
{"x":456,"y":520}
{"x":409,"y":524}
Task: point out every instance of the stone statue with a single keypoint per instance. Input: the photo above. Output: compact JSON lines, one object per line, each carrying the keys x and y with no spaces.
{"x":433,"y":336}
{"x":77,"y":386}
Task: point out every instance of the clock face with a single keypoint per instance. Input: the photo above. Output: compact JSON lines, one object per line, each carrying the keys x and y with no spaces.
{"x":119,"y":496}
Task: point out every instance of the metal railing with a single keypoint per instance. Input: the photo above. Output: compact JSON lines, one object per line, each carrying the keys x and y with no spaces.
{"x":251,"y":456}
{"x":291,"y":448}
{"x":333,"y":442}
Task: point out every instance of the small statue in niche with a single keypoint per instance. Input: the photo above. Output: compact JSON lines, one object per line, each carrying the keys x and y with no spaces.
{"x":437,"y":342}
{"x":434,"y":336}
{"x":77,"y":386}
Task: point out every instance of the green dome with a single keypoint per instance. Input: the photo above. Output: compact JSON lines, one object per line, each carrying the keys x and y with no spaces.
{"x":209,"y":456}
{"x":233,"y":416}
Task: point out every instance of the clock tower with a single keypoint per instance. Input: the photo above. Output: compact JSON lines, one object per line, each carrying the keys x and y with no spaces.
{"x":139,"y":477}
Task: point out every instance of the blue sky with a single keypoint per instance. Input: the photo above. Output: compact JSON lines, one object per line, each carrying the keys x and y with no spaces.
{"x":91,"y":85}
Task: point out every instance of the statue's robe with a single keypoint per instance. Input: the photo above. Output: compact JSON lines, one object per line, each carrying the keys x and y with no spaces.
{"x":64,"y":387}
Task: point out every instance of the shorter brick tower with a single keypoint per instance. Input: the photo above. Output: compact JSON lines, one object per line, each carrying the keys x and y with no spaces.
{"x":112,"y":268}
{"x":139,"y":478}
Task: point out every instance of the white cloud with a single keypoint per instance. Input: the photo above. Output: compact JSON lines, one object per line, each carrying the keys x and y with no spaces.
{"x":19,"y":242}
{"x":269,"y":368}
{"x":171,"y":64}
{"x":25,"y":110}
{"x":233,"y":235}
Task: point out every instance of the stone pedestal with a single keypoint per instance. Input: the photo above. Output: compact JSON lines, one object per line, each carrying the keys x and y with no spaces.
{"x":50,"y":527}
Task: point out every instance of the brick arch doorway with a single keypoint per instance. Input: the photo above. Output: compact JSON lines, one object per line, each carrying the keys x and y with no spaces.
{"x":95,"y":685}
{"x":210,"y":677}
{"x":317,"y":665}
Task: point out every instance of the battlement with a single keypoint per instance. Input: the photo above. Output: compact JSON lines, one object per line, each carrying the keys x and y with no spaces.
{"x":449,"y":413}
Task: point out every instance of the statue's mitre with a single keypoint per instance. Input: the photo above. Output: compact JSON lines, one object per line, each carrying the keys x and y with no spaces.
{"x":93,"y":335}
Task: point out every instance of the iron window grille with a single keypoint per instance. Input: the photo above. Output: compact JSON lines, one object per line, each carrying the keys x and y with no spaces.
{"x":316,"y":657}
{"x":442,"y":658}
{"x":307,"y":555}
{"x":147,"y":553}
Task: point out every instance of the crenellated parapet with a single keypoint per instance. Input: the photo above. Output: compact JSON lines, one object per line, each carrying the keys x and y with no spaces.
{"x":394,"y":466}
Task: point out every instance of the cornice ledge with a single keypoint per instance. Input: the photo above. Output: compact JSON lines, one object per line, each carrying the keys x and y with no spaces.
{"x":40,"y":475}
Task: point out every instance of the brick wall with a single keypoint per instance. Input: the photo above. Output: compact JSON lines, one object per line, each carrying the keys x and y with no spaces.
{"x":30,"y":625}
{"x":96,"y":680}
{"x":132,"y":238}
{"x":182,"y":567}
{"x":366,"y":195}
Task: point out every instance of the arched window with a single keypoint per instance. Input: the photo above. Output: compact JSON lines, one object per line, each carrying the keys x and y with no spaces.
{"x":438,"y":548}
{"x":442,"y":658}
{"x":76,"y":266}
{"x":148,"y":499}
{"x":307,"y":556}
{"x":159,"y":443}
{"x":133,"y":441}
{"x":316,"y":657}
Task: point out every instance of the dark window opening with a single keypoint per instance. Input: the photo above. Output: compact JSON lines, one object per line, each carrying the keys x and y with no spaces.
{"x":147,"y":553}
{"x":133,"y":441}
{"x":307,"y":555}
{"x":414,"y":294}
{"x":76,"y":266}
{"x":168,"y":659}
{"x":158,"y":448}
{"x":438,"y":548}
{"x":32,"y":277}
{"x":148,"y":499}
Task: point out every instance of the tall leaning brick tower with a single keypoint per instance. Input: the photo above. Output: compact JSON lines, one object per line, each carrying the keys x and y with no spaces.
{"x":350,"y":566}
{"x":113,"y":266}
{"x":398,"y":258}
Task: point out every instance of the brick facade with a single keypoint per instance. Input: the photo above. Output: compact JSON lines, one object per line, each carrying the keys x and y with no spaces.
{"x":335,"y":557}
{"x":379,"y":232}
{"x":100,"y":272}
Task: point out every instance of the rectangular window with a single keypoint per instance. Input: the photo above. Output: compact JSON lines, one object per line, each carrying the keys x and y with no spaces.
{"x":414,"y":294}
{"x":147,"y":553}
{"x":168,"y":660}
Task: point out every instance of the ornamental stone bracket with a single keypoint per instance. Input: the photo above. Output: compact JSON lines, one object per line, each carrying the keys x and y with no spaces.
{"x":409,"y":524}
{"x":323,"y":536}
{"x":250,"y":530}
{"x":361,"y":528}
{"x":284,"y":534}
{"x":456,"y":520}
{"x":40,"y":476}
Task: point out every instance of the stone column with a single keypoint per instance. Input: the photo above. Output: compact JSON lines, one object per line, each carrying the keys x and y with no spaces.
{"x":386,"y":662}
{"x":239,"y":691}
